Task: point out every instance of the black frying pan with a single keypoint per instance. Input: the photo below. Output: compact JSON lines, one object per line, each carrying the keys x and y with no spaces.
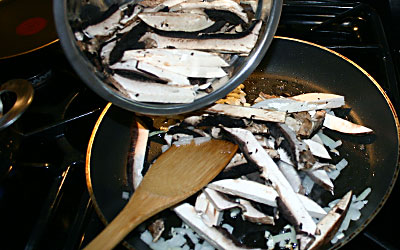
{"x":290,"y":67}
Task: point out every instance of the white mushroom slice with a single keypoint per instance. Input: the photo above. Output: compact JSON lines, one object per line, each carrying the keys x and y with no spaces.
{"x":344,"y":126}
{"x":173,"y":78}
{"x":106,"y":50}
{"x":129,"y":65}
{"x":261,"y":193}
{"x":219,"y":200}
{"x":317,"y":139}
{"x":104,"y":28}
{"x":154,"y":92}
{"x":320,"y":176}
{"x":292,"y":123}
{"x":188,"y":214}
{"x":329,"y":225}
{"x":79,"y":36}
{"x":242,"y":45}
{"x":196,"y":72}
{"x":329,"y":100}
{"x":291,"y":175}
{"x":153,"y":3}
{"x":304,"y":102}
{"x":291,"y":204}
{"x":176,"y":74}
{"x":236,"y":160}
{"x":317,"y":149}
{"x":126,"y":28}
{"x":253,"y":215}
{"x":209,"y":214}
{"x":157,"y":5}
{"x":127,"y":19}
{"x":167,"y":21}
{"x":246,"y":189}
{"x":139,"y":147}
{"x":283,"y":104}
{"x":300,"y":152}
{"x":257,"y":128}
{"x":247,"y":112}
{"x":227,"y":5}
{"x":283,"y":156}
{"x":176,"y":57}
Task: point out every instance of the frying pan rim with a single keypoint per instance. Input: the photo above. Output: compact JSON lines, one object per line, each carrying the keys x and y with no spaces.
{"x":31,"y":50}
{"x":337,"y":245}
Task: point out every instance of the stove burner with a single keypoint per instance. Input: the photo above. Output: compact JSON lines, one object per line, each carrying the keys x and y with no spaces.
{"x":23,"y":97}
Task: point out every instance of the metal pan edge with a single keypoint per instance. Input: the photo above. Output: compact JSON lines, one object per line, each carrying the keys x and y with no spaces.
{"x":102,"y":216}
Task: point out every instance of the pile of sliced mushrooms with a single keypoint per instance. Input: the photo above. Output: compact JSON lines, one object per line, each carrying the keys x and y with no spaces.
{"x":283,"y":154}
{"x":171,"y":51}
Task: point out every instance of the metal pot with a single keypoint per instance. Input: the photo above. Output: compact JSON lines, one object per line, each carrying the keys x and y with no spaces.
{"x":68,"y":11}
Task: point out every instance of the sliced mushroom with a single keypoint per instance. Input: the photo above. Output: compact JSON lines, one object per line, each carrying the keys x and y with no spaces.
{"x":216,"y":238}
{"x":176,"y":74}
{"x":317,"y":149}
{"x":284,"y":156}
{"x":247,"y":112}
{"x":210,"y":215}
{"x":154,"y":92}
{"x":215,"y":120}
{"x":323,"y":100}
{"x":294,"y":209}
{"x":106,"y":51}
{"x":329,"y":225}
{"x":253,"y":215}
{"x":227,"y":5}
{"x":320,"y":176}
{"x":304,"y":102}
{"x":157,"y":5}
{"x":130,"y":40}
{"x":299,"y":150}
{"x":219,"y":200}
{"x":261,"y":193}
{"x":129,"y":14}
{"x":138,"y":153}
{"x":258,"y":128}
{"x":167,"y":21}
{"x":176,"y":57}
{"x":292,"y":176}
{"x":231,"y":43}
{"x":173,"y":78}
{"x":237,"y":159}
{"x":344,"y":126}
{"x":105,"y":27}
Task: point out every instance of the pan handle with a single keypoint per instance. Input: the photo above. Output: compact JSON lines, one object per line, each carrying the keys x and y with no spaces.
{"x":24,"y":92}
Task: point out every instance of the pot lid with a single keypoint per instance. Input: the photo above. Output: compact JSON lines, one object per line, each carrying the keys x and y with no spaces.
{"x":25,"y":26}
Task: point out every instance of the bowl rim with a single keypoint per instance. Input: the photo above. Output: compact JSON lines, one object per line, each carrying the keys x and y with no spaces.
{"x":93,"y":80}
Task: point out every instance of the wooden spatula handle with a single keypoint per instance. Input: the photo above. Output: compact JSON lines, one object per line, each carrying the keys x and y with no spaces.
{"x":130,"y":217}
{"x":177,"y":174}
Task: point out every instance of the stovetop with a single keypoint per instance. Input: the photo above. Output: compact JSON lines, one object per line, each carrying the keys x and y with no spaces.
{"x":44,"y":202}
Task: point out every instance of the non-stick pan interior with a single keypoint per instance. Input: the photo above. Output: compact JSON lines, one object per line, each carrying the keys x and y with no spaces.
{"x":290,"y":67}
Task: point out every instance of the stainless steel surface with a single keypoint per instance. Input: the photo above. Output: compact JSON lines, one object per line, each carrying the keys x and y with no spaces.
{"x":24,"y":93}
{"x":66,"y":11}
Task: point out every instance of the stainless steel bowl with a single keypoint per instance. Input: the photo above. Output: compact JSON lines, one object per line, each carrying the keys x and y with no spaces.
{"x":67,"y":11}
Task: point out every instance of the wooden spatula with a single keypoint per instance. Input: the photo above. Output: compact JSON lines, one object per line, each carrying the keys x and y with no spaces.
{"x":177,"y":174}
